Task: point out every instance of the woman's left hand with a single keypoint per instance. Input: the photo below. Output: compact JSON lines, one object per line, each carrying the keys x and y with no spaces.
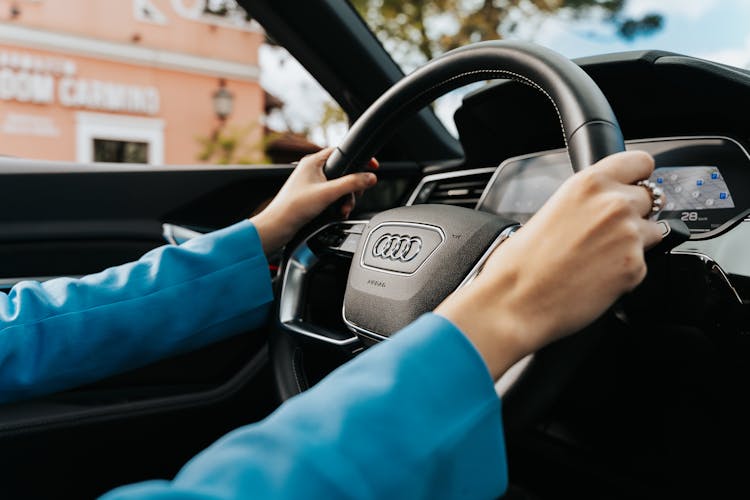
{"x":304,"y":196}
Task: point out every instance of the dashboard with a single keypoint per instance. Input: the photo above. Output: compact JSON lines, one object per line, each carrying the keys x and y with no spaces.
{"x":679,"y":347}
{"x":706,"y":181}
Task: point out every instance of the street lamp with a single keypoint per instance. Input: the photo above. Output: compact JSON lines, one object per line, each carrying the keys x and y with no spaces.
{"x":223,"y":101}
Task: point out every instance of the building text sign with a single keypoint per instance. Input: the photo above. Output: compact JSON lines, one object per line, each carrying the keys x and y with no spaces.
{"x":29,"y":78}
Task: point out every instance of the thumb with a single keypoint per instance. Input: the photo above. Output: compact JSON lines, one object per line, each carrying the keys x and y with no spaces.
{"x":335,"y":189}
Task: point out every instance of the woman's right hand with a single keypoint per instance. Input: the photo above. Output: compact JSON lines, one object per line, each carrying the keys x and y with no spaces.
{"x":563,"y":269}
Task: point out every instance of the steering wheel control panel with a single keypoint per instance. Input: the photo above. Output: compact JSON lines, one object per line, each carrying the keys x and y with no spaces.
{"x":314,"y":282}
{"x":705,"y":181}
{"x":341,"y":238}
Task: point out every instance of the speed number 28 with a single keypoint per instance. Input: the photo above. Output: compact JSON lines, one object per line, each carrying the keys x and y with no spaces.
{"x":689,"y":216}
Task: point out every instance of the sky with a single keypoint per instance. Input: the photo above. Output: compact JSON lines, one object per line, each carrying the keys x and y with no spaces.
{"x":709,"y":29}
{"x":717,"y":30}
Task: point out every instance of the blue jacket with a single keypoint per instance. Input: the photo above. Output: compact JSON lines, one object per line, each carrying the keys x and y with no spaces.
{"x":414,"y":417}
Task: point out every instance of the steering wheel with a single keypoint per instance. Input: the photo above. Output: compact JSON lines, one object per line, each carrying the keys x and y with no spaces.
{"x":410,"y":258}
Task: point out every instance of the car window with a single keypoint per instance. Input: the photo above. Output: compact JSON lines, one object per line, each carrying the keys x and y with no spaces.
{"x":154,"y":81}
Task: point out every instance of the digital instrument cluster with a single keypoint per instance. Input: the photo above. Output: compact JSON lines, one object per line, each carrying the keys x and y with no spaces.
{"x":706,"y":181}
{"x":693,"y":188}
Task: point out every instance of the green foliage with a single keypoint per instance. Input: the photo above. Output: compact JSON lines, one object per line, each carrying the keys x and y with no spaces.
{"x":234,"y":145}
{"x":631,"y":28}
{"x":419,"y":30}
{"x":332,"y":115}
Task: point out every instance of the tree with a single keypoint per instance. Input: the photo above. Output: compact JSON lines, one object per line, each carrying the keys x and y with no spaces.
{"x":234,"y":145}
{"x":419,"y":30}
{"x":331,"y":117}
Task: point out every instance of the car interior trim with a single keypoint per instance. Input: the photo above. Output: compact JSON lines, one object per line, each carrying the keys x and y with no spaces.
{"x":291,"y":301}
{"x":79,"y":417}
{"x":445,"y":175}
{"x":707,"y":259}
{"x":507,"y":233}
{"x":506,"y":382}
{"x":361,"y":331}
{"x":177,"y":235}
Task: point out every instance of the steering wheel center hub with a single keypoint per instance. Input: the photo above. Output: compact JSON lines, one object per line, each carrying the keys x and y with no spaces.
{"x":400,"y":247}
{"x":410,"y":259}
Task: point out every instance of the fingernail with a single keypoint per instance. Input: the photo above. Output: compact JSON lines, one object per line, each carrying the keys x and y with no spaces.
{"x":371,"y":179}
{"x":374,"y":164}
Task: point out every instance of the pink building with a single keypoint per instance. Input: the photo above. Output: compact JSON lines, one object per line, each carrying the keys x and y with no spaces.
{"x":123,"y":80}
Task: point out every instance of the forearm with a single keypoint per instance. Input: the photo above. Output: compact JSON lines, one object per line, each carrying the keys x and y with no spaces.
{"x":497,"y":335}
{"x":415,"y":417}
{"x":273,"y":232}
{"x":68,"y":332}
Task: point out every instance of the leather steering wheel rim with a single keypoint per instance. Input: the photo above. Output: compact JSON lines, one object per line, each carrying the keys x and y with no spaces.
{"x":589,"y":127}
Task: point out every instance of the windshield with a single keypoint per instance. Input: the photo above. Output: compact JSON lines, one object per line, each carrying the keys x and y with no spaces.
{"x":417,"y":31}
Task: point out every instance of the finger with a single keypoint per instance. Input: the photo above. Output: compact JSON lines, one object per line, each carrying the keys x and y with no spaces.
{"x":374,"y":164}
{"x":351,"y":183}
{"x":317,"y":160}
{"x":651,"y":232}
{"x":640,"y":198}
{"x":348,"y":206}
{"x":628,"y":167}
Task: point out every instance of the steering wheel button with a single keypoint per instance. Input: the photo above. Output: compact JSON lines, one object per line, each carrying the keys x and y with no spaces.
{"x":674,"y":232}
{"x":350,"y":243}
{"x":355,"y":229}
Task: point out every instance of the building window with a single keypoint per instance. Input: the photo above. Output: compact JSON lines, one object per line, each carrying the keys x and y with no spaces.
{"x":117,"y":138}
{"x":109,"y":151}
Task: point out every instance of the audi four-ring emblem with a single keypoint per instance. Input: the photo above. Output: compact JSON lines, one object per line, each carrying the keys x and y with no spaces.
{"x":397,"y":247}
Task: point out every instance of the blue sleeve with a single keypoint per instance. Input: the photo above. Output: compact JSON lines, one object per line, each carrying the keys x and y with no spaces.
{"x":67,"y":332}
{"x":415,"y":417}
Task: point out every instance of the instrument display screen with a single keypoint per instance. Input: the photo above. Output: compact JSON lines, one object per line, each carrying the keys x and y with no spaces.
{"x":692,"y":188}
{"x":703,"y":180}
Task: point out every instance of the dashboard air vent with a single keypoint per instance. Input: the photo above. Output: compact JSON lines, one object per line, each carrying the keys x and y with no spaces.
{"x":462,"y":189}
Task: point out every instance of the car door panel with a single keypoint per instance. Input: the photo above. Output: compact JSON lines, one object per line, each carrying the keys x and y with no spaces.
{"x":68,"y":220}
{"x":71,"y":220}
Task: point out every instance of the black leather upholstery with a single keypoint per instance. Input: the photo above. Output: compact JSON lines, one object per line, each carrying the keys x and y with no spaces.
{"x":589,"y":126}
